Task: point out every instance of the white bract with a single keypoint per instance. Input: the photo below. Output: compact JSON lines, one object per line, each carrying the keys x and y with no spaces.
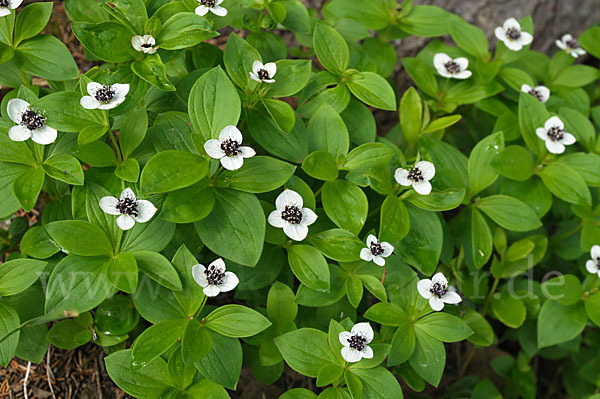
{"x":228,"y":148}
{"x":541,"y":93}
{"x":214,"y":279}
{"x":570,"y":45}
{"x":554,"y":135}
{"x":593,"y":265}
{"x":438,"y":292}
{"x":129,"y":208}
{"x":356,"y":342}
{"x":376,"y":251}
{"x":511,"y":34}
{"x":104,"y":96}
{"x":263,"y":73}
{"x":30,"y":123}
{"x":145,"y":44}
{"x":212,"y":6}
{"x":291,"y":216}
{"x":7,"y":5}
{"x":451,"y":68}
{"x":418,"y":177}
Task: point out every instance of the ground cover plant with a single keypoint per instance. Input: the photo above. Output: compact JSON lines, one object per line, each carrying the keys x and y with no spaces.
{"x":205,"y":208}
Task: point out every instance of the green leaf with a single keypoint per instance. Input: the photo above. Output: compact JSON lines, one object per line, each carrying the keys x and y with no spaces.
{"x":291,"y":77}
{"x":259,"y":174}
{"x":152,"y":70}
{"x":590,"y":40}
{"x":9,"y":321}
{"x":468,"y":37}
{"x":411,"y":112}
{"x":580,"y":125}
{"x":559,"y":323}
{"x":532,"y":115}
{"x":184,"y":29}
{"x":64,"y":167}
{"x":305,"y":350}
{"x":428,"y":21}
{"x":171,"y":170}
{"x":133,"y":130}
{"x":331,"y":49}
{"x":309,"y":266}
{"x":47,"y":57}
{"x":196,"y":342}
{"x":158,"y":268}
{"x":403,"y":344}
{"x":19,"y":274}
{"x":188,"y":205}
{"x":379,"y":383}
{"x":109,"y":40}
{"x":592,"y":308}
{"x":281,"y":304}
{"x":27,"y":187}
{"x":555,"y":178}
{"x":116,"y":315}
{"x":68,"y":334}
{"x":509,"y":310}
{"x":429,"y":358}
{"x":564,"y":289}
{"x":235,"y":229}
{"x":134,"y":11}
{"x":444,"y":327}
{"x":281,"y":112}
{"x":441,"y":123}
{"x":338,"y":244}
{"x":360,"y":122}
{"x":514,"y":162}
{"x":345,"y":204}
{"x":155,"y":341}
{"x":328,"y":132}
{"x":122,"y":272}
{"x":577,"y":76}
{"x":328,"y":374}
{"x":128,"y":170}
{"x":387,"y":314}
{"x":213,"y":103}
{"x":223,"y":364}
{"x":394,"y":222}
{"x":509,"y":212}
{"x":481,"y":173}
{"x":320,"y":165}
{"x":483,"y":334}
{"x":373,"y":90}
{"x":36,"y":243}
{"x":238,"y":57}
{"x":439,"y":200}
{"x":236,"y":321}
{"x":31,"y":20}
{"x":481,"y":244}
{"x":80,"y":237}
{"x":422,"y":75}
{"x":64,"y":112}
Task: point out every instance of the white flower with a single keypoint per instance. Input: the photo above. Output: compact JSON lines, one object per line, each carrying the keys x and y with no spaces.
{"x":355,"y":342}
{"x":228,"y":148}
{"x":7,"y":5}
{"x":438,"y":292}
{"x":512,"y":35}
{"x":541,"y":93}
{"x":212,"y":6}
{"x":144,"y":44}
{"x":376,"y":251}
{"x":570,"y":45}
{"x":553,"y":133}
{"x":129,"y":208}
{"x":593,"y":265}
{"x":418,"y":176}
{"x":104,"y":96}
{"x":263,"y":73}
{"x":29,"y":123}
{"x":291,"y":216}
{"x":451,"y":68}
{"x":214,"y":279}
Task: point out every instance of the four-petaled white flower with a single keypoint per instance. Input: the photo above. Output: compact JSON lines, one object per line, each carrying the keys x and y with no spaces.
{"x":7,"y":5}
{"x":376,"y":251}
{"x":30,"y":123}
{"x":104,"y":96}
{"x":263,"y":73}
{"x":593,"y":265}
{"x":541,"y":93}
{"x":438,"y":292}
{"x":129,"y":208}
{"x":291,"y":216}
{"x":512,"y":35}
{"x":418,"y":177}
{"x":570,"y":45}
{"x":356,"y":342}
{"x":212,"y":6}
{"x":554,"y":135}
{"x":145,"y":44}
{"x":451,"y":68}
{"x":214,"y":279}
{"x":228,"y":148}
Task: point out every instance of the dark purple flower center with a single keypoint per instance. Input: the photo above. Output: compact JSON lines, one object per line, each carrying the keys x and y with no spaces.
{"x":513,"y":33}
{"x":452,"y":67}
{"x":415,"y":175}
{"x":32,"y":120}
{"x":262,"y":74}
{"x":214,"y":275}
{"x":573,"y":44}
{"x":292,"y":214}
{"x":438,"y":289}
{"x":230,"y":147}
{"x":208,"y":3}
{"x":376,"y":248}
{"x":357,"y":342}
{"x":104,"y":94}
{"x":4,"y":3}
{"x":146,"y":45}
{"x":127,"y":206}
{"x":556,"y":133}
{"x":536,"y":94}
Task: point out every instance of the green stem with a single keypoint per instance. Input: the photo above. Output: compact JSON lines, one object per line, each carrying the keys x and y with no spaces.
{"x":116,"y":145}
{"x":486,"y":304}
{"x":119,"y":238}
{"x":319,"y":191}
{"x":201,"y":307}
